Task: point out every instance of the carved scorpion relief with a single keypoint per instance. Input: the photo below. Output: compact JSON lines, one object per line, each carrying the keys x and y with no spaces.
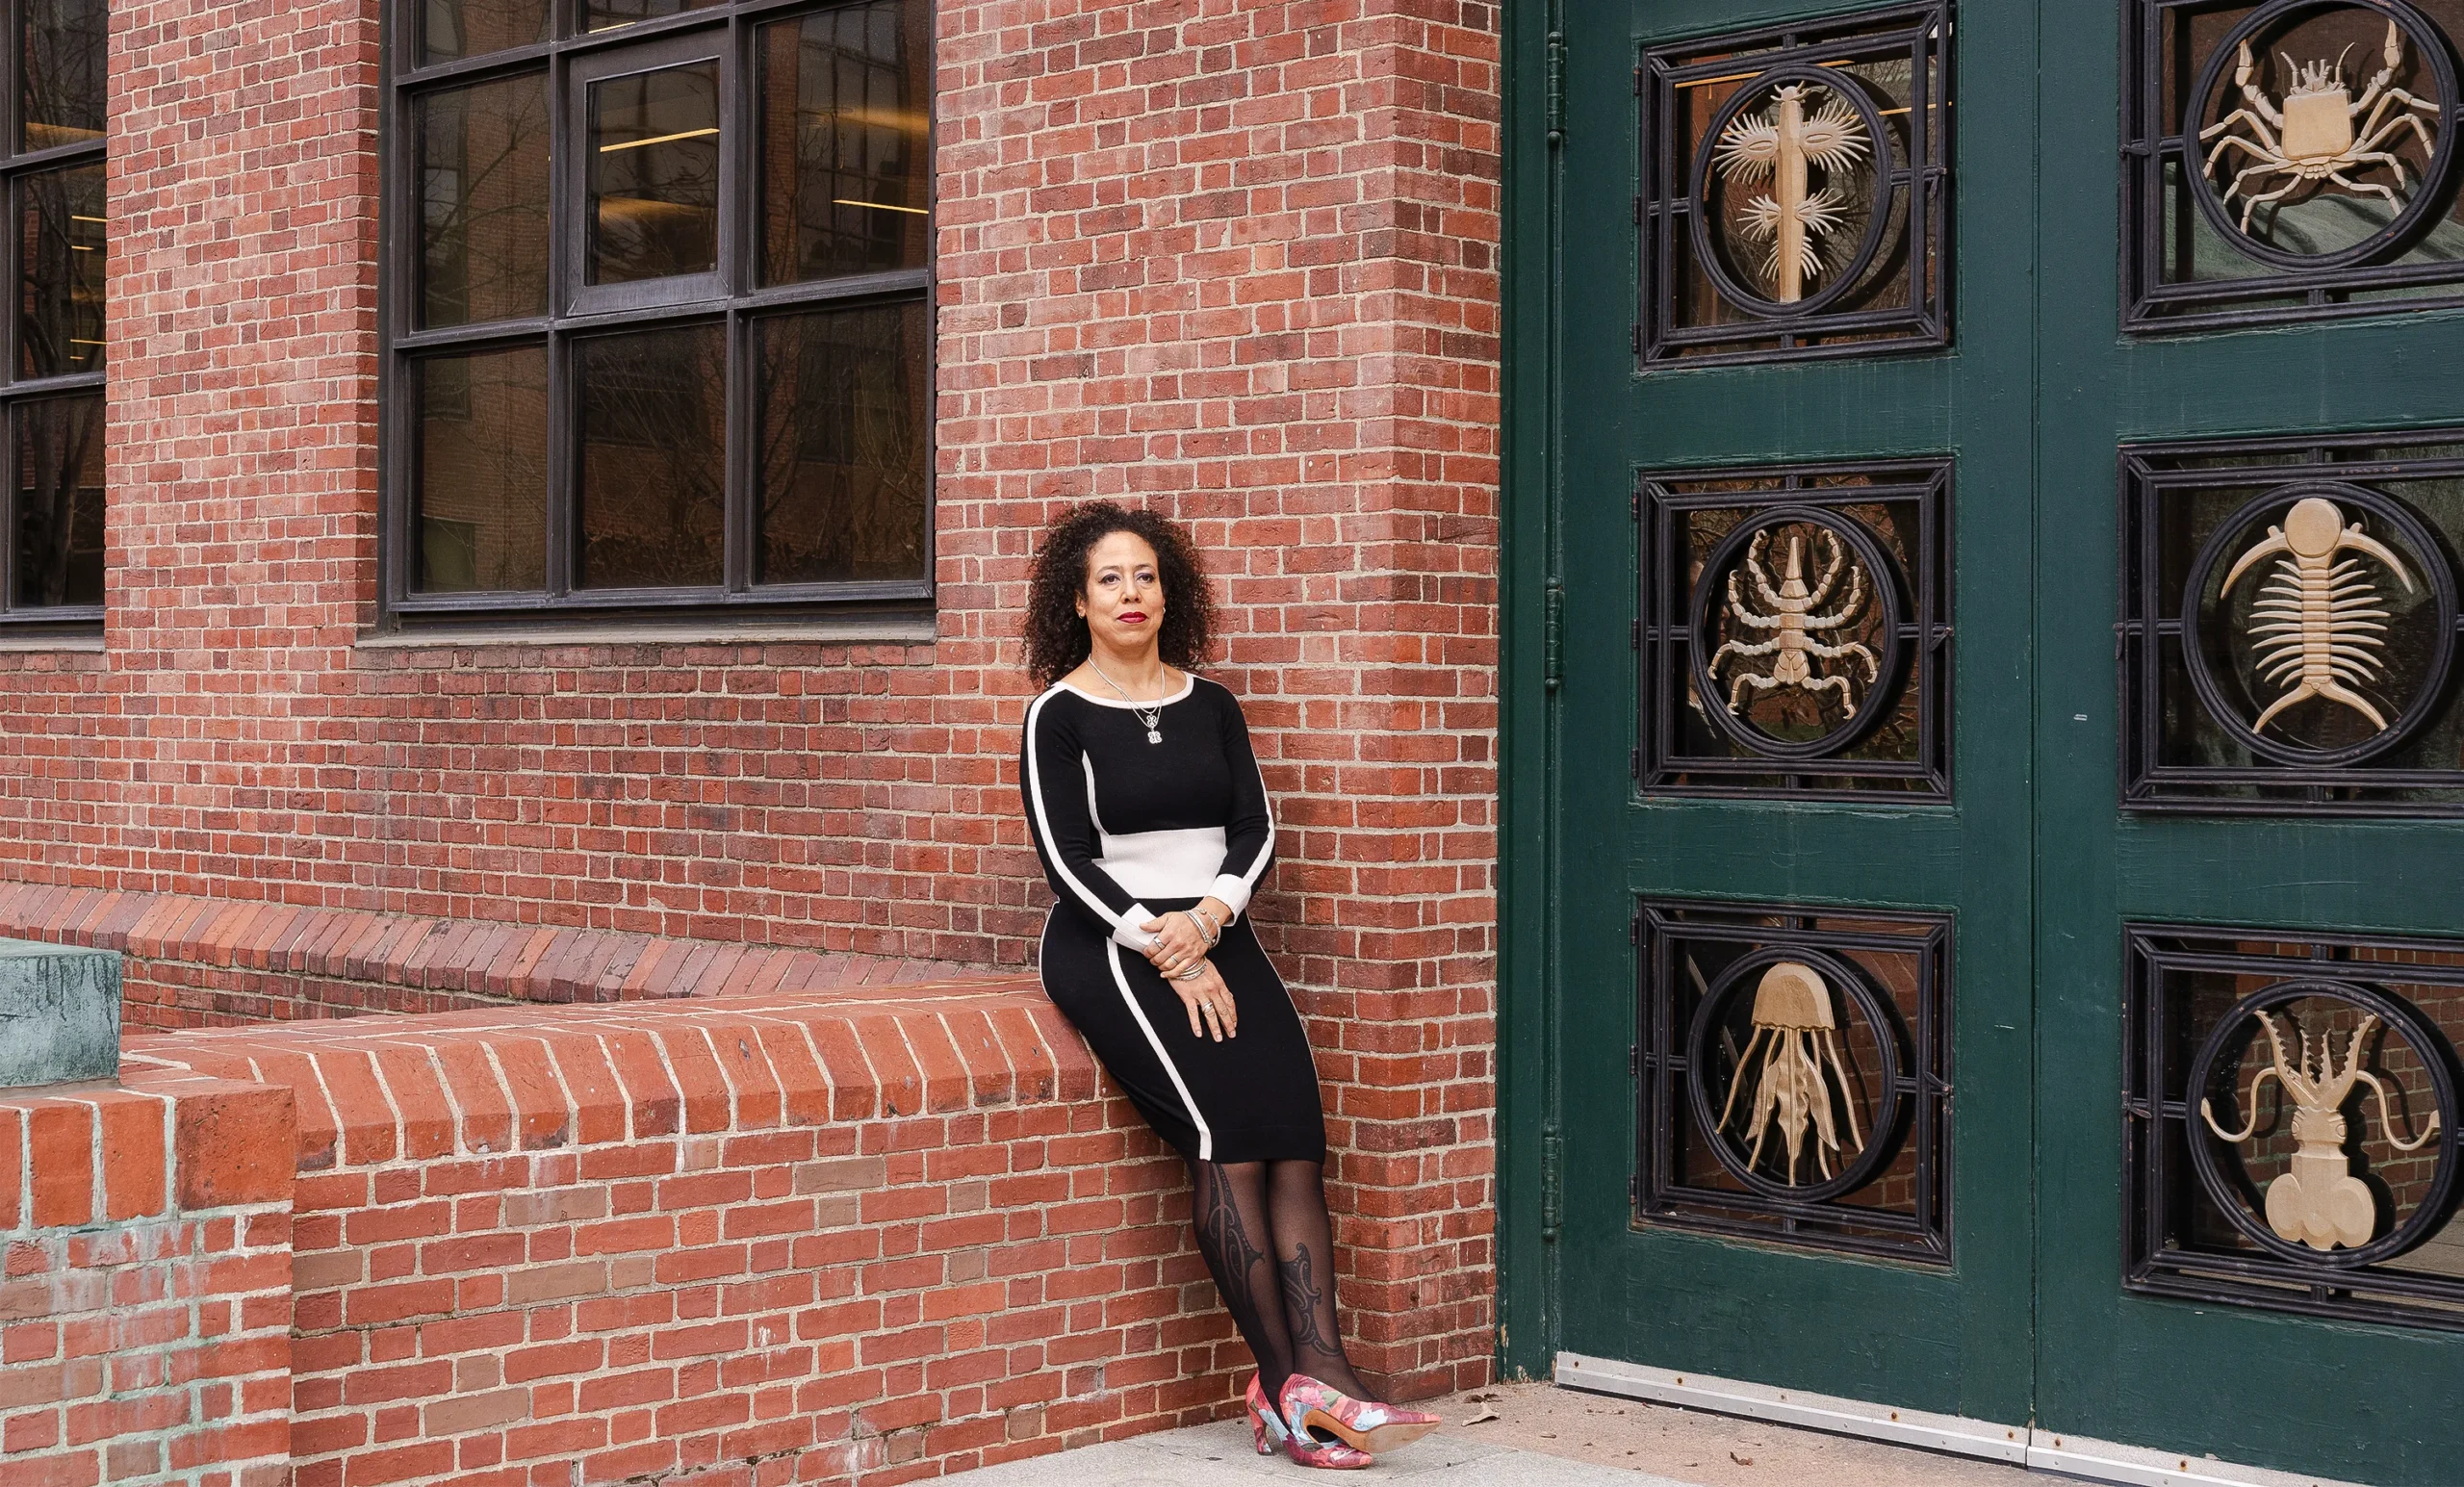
{"x":1792,"y":1083}
{"x":2318,"y":622}
{"x":2312,"y":137}
{"x":1794,"y":615}
{"x":2319,"y":1202}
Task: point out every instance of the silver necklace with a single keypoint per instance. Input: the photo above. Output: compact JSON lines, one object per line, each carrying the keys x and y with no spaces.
{"x":1152,"y":717}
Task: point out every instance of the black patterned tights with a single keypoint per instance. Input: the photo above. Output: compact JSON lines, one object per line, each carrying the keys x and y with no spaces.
{"x":1246,"y":1210}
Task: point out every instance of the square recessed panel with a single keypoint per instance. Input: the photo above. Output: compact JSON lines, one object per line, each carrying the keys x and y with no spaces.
{"x":1794,"y":1075}
{"x":1795,"y":635}
{"x":2288,"y":160}
{"x":2290,"y":1121}
{"x":1795,"y":190}
{"x":2289,"y":624}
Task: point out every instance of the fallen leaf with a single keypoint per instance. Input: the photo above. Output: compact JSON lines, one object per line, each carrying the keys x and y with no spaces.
{"x":1743,"y":1461}
{"x":1486,"y":1414}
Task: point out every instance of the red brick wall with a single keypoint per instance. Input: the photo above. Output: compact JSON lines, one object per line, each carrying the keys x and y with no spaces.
{"x":870,"y":1239}
{"x":1236,"y":262}
{"x":146,"y":1285}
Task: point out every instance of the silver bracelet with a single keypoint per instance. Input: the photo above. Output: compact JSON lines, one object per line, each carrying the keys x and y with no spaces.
{"x":1207,"y":928}
{"x":1194,"y":972}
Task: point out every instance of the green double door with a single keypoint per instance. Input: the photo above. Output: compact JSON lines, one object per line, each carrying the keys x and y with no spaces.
{"x":1922,"y":483}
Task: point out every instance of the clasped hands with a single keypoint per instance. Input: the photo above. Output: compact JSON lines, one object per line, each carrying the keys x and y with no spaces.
{"x":1179,"y":945}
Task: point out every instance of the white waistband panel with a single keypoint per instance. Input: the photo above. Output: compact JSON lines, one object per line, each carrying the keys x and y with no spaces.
{"x":1165,"y":864}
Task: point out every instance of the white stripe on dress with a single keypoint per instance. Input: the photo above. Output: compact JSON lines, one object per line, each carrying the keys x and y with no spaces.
{"x":1205,"y":1136}
{"x":1127,"y":923}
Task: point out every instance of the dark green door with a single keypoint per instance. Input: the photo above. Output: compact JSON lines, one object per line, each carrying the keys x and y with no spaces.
{"x":1902,"y":559}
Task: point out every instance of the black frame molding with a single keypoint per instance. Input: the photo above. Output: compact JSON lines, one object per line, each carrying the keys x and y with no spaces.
{"x":2165,"y":1175}
{"x":1671,"y":1012}
{"x":2278,"y":780}
{"x":1672,"y":605}
{"x":2302,"y":287}
{"x":1672,"y":188}
{"x":733,"y":296}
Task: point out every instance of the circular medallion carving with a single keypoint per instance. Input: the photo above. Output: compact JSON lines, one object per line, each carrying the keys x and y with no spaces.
{"x":2322,"y":1208}
{"x":2308,"y":141}
{"x":2318,"y":623}
{"x":1792,"y":187}
{"x":1796,"y":619}
{"x":1800,"y":1115}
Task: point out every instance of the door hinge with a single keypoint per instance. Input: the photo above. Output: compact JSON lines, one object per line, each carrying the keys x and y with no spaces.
{"x":1634,"y":506}
{"x":1557,"y":88}
{"x":1638,"y":338}
{"x":1633,"y":1189}
{"x":1634,"y":765}
{"x":1553,"y":622}
{"x":1634,"y":926}
{"x":1634,"y":1061}
{"x":1552,"y":1183}
{"x":1638,"y":210}
{"x":1634,"y":638}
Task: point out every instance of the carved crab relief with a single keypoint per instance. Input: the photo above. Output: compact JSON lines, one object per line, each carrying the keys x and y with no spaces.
{"x":2311,"y":137}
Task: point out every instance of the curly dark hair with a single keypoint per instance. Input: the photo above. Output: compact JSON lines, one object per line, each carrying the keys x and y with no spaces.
{"x":1057,"y":638}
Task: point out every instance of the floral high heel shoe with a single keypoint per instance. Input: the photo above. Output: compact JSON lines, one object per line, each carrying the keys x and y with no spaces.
{"x":1271,"y":1434}
{"x":1310,"y":1406}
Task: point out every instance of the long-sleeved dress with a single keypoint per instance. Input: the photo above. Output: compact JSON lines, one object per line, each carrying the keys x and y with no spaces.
{"x":1130,"y":829}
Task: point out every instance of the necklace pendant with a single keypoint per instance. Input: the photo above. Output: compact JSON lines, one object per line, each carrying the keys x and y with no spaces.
{"x":1154,"y":735}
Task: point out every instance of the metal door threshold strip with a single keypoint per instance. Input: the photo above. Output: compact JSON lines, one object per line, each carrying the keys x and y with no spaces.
{"x":2038,"y":1449}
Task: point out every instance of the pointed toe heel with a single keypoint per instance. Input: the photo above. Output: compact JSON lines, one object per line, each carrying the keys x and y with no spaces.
{"x":1309,"y":1406}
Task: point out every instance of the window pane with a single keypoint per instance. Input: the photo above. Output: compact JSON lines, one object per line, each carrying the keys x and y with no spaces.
{"x":450,"y":28}
{"x":844,"y":135}
{"x":653,"y":457}
{"x":654,"y":153}
{"x":59,"y":501}
{"x":479,"y":512}
{"x":484,"y":201}
{"x":608,"y":14}
{"x":60,"y":316}
{"x":64,"y":62}
{"x":843,"y":481}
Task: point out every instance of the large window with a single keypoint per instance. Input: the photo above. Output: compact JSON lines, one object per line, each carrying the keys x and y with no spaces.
{"x":51,"y":474}
{"x":658,"y":305}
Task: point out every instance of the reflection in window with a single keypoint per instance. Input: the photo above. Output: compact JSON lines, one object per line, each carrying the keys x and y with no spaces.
{"x":653,"y":457}
{"x":601,"y":400}
{"x":58,"y":444}
{"x":51,"y":492}
{"x":59,"y":318}
{"x":610,"y":14}
{"x":482,"y":500}
{"x":845,"y":142}
{"x":484,"y":201}
{"x":65,"y":46}
{"x":654,"y":165}
{"x":451,"y":30}
{"x":843,"y":488}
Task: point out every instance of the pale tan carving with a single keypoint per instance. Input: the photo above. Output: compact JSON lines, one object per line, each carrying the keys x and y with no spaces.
{"x":1791,"y":1089}
{"x":2316,"y":620}
{"x":2319,"y":1202}
{"x":2313,"y":138}
{"x":1794,"y":611}
{"x":1780,"y":142}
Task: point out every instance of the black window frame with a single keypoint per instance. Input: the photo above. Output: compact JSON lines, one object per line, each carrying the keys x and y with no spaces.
{"x":573,"y":58}
{"x":16,"y":165}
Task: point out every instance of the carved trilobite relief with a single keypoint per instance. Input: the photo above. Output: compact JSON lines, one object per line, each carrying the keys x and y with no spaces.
{"x":2318,"y":623}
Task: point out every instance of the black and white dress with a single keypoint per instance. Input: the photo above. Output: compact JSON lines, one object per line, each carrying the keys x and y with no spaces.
{"x":1130,"y":829}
